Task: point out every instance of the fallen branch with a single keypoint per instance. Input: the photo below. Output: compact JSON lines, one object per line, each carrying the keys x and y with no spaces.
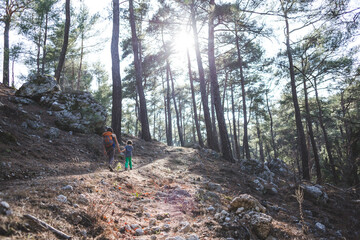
{"x":47,"y":226}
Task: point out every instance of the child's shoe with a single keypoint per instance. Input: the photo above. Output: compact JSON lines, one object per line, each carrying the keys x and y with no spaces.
{"x":126,"y":169}
{"x":111,"y":169}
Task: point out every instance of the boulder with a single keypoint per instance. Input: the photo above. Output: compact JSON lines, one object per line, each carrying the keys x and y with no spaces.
{"x":315,"y":193}
{"x":278,"y":167}
{"x":37,"y":86}
{"x":260,"y":223}
{"x":258,"y":168}
{"x":74,"y":111}
{"x":248,"y":202}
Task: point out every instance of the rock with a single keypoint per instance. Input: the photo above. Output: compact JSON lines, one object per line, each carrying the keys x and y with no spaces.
{"x":5,"y":208}
{"x":213,"y":187}
{"x":166,"y":228}
{"x":240,"y":210}
{"x":278,"y":167}
{"x":152,"y":222}
{"x":37,"y":86}
{"x":321,"y":227}
{"x":315,"y":193}
{"x":192,"y":237}
{"x":21,"y":100}
{"x":210,"y":209}
{"x":162,"y":216}
{"x":135,"y":226}
{"x":248,"y":202}
{"x":61,"y":198}
{"x":258,"y":168}
{"x":74,"y":111}
{"x":139,"y":232}
{"x":261,"y":224}
{"x":68,"y":188}
{"x":185,"y":227}
{"x":83,"y":200}
{"x":175,"y":238}
{"x":52,"y":133}
{"x":208,"y":196}
{"x":75,"y":218}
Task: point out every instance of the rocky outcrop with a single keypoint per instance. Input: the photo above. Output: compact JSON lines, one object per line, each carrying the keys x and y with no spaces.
{"x":74,"y":111}
{"x":37,"y":86}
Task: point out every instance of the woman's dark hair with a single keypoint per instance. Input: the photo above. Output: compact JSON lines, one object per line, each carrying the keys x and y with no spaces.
{"x":129,"y":142}
{"x":109,"y":129}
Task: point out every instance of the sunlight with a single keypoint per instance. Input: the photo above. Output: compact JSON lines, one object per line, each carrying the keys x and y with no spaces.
{"x":182,"y":41}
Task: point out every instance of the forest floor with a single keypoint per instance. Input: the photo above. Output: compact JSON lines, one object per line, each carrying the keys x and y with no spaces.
{"x":65,"y":182}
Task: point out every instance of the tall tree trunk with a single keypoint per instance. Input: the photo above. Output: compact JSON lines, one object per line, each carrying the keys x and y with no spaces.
{"x":117,"y":91}
{"x":326,"y":139}
{"x":311,"y":133}
{"x":65,"y":43}
{"x":145,"y":131}
{"x":38,"y":52}
{"x":81,"y":60}
{"x":44,"y":43}
{"x":271,"y":128}
{"x":198,"y":130}
{"x":243,"y":93}
{"x":224,"y":137}
{"x":213,"y":123}
{"x":175,"y":106}
{"x":6,"y":61}
{"x":237,"y":146}
{"x":299,"y":125}
{"x":204,"y":97}
{"x":169,"y":136}
{"x":258,"y":131}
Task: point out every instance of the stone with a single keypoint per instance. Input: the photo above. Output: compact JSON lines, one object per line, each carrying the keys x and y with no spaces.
{"x":315,"y":193}
{"x":248,"y":202}
{"x":68,"y":188}
{"x":192,"y":237}
{"x":208,"y":196}
{"x":152,"y":222}
{"x":5,"y":208}
{"x":278,"y":167}
{"x":258,"y":168}
{"x":61,"y":198}
{"x":139,"y":232}
{"x":21,"y":100}
{"x":175,"y":238}
{"x":210,"y":209}
{"x":52,"y":133}
{"x":166,"y":228}
{"x":37,"y":86}
{"x":320,"y":226}
{"x":185,"y":227}
{"x":213,"y":187}
{"x":83,"y":200}
{"x":261,"y":224}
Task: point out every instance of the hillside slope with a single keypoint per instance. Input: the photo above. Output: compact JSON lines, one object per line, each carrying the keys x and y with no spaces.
{"x":171,"y":193}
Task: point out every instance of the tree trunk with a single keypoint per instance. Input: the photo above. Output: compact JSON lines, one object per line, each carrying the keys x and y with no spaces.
{"x":169,"y":136}
{"x":65,"y":43}
{"x":258,"y":131}
{"x":117,"y":91}
{"x":145,"y":131}
{"x":299,"y":125}
{"x":237,"y":147}
{"x":311,"y":133}
{"x":44,"y":47}
{"x":198,"y":130}
{"x":271,"y":128}
{"x":326,"y":139}
{"x":175,"y":106}
{"x":38,"y":52}
{"x":224,"y":137}
{"x":243,"y":93}
{"x":81,"y":60}
{"x":6,"y":61}
{"x":204,"y":96}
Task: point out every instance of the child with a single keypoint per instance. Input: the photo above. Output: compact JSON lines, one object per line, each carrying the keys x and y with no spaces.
{"x":109,"y":142}
{"x":128,"y":154}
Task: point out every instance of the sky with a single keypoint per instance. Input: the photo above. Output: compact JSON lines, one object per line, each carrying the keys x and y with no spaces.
{"x":105,"y":27}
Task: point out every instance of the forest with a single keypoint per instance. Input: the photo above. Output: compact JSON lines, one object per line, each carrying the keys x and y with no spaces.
{"x":247,"y":78}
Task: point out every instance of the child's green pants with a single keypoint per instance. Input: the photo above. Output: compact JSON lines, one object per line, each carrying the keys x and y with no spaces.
{"x":128,"y":162}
